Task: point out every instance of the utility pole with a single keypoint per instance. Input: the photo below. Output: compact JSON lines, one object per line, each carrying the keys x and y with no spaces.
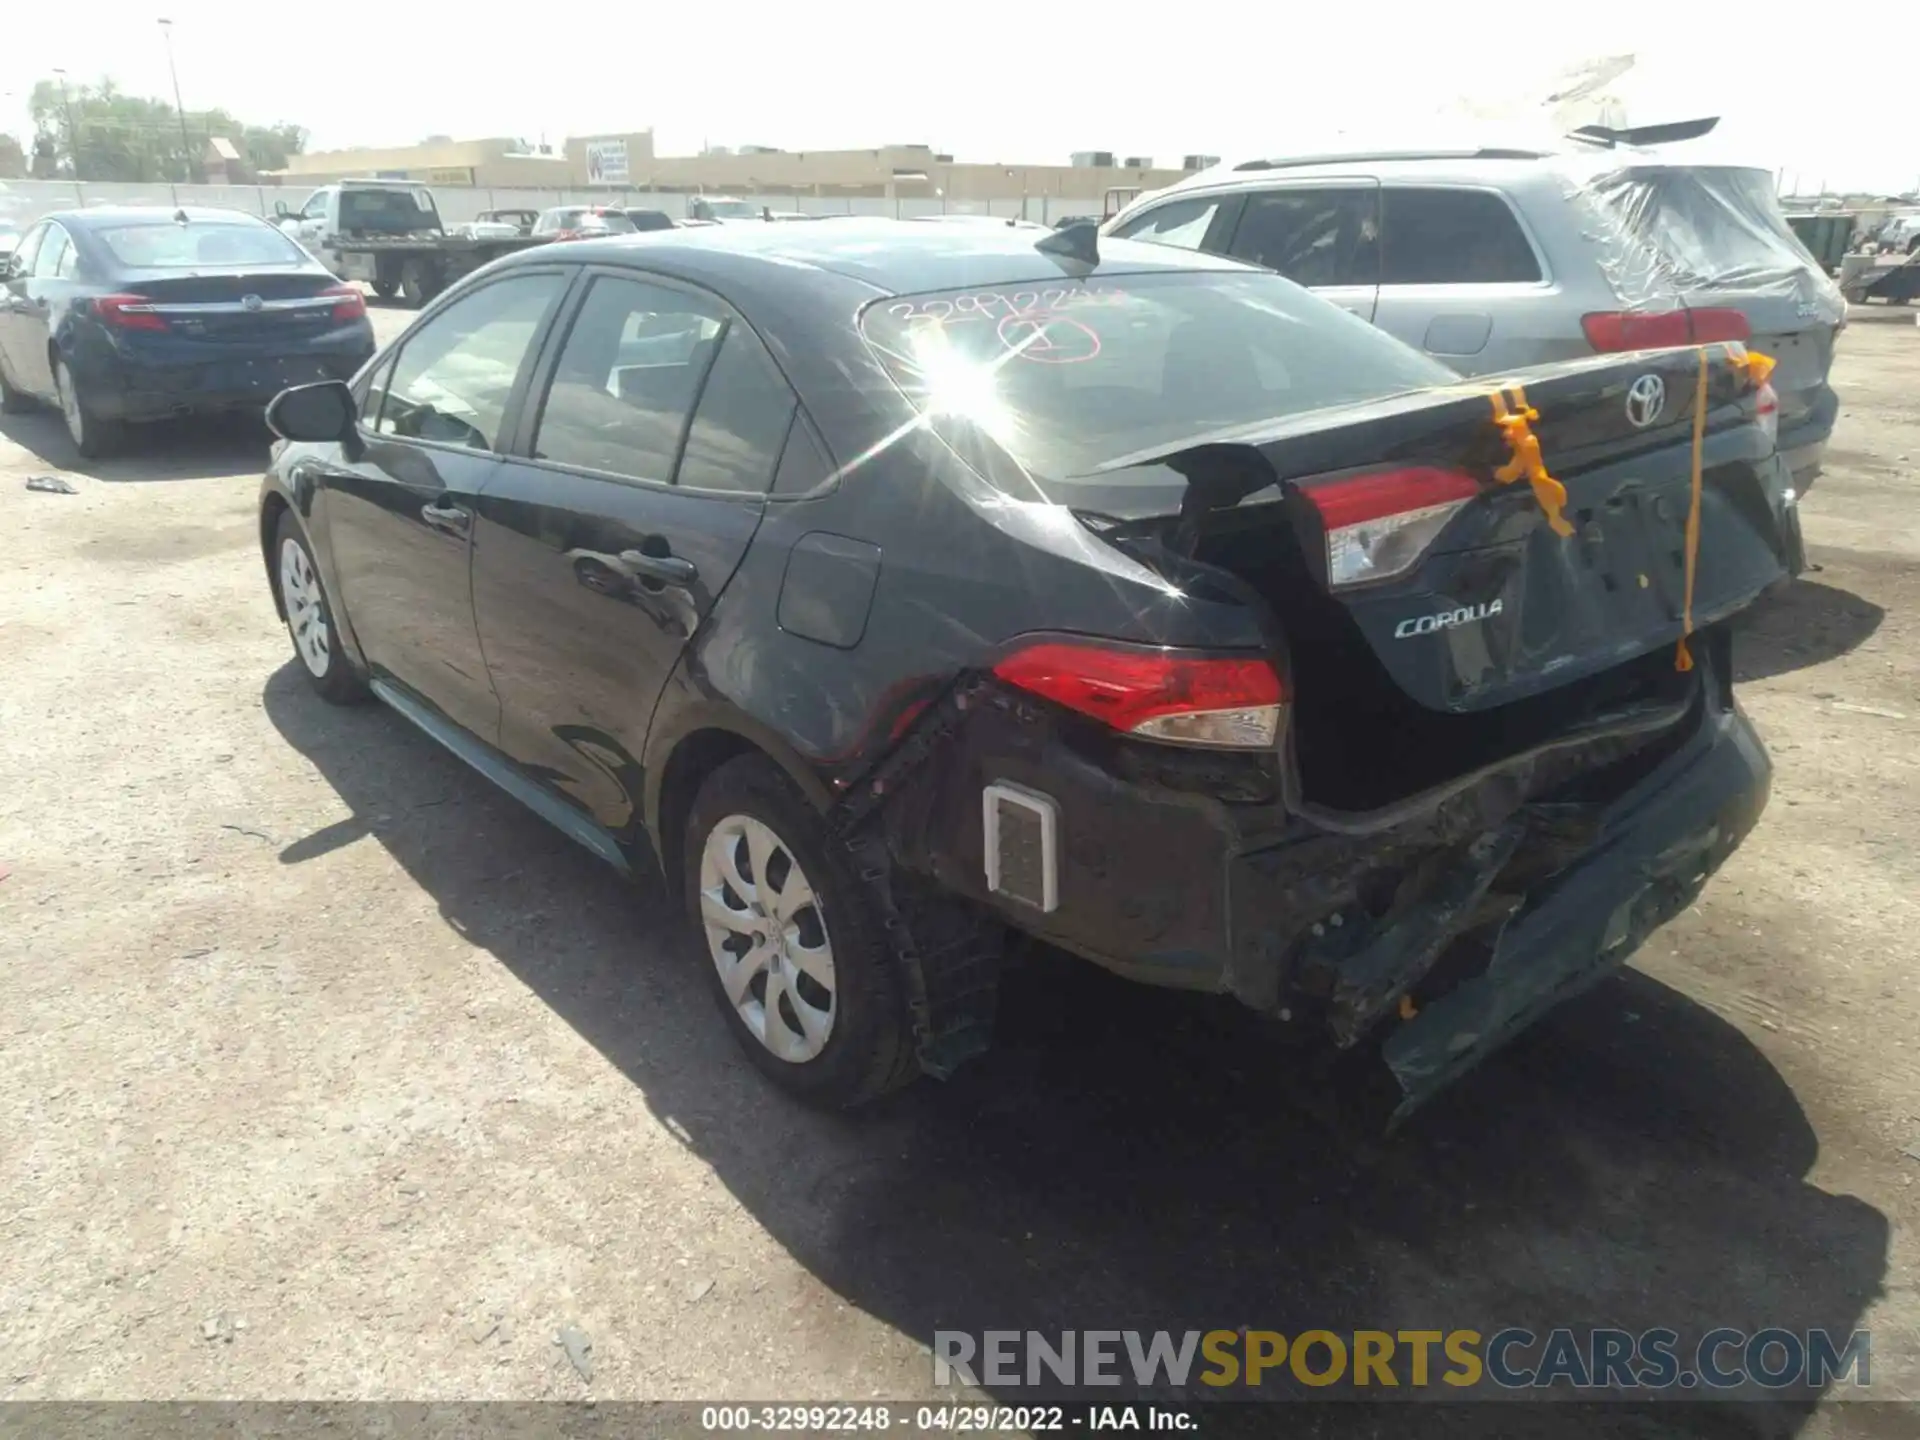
{"x":186,"y":145}
{"x":73,"y":135}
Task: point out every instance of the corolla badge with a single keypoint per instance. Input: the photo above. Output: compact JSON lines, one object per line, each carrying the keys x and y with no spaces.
{"x":1446,"y":620}
{"x":1646,"y":398}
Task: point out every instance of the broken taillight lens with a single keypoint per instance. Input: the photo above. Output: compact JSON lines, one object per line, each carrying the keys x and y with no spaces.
{"x":1157,"y":694}
{"x":1379,"y":524}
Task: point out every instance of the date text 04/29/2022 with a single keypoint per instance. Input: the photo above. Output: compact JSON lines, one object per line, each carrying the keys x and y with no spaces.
{"x":939,"y":1419}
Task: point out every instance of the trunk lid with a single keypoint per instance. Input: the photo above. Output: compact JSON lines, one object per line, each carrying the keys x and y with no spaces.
{"x":1499,"y":608}
{"x":240,"y":304}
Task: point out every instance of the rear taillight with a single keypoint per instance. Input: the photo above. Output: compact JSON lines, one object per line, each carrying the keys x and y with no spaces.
{"x":350,"y":303}
{"x":128,"y":312}
{"x":1379,"y":524}
{"x":1170,"y":695}
{"x":1766,"y":412}
{"x":1609,"y":331}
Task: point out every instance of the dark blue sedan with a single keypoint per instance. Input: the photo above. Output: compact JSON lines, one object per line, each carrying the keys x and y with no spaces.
{"x":118,"y":316}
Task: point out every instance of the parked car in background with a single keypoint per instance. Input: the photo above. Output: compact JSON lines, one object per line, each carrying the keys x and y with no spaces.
{"x":1491,"y":259}
{"x":644,"y":220}
{"x":891,"y":591}
{"x":499,"y":224}
{"x":720,"y":209}
{"x":582,"y":222}
{"x":123,"y":315}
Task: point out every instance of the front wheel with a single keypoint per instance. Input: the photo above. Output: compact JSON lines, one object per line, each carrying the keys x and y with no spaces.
{"x":796,"y":951}
{"x":93,"y":437}
{"x":310,"y":622}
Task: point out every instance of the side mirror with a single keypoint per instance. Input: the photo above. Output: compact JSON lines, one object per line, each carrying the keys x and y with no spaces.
{"x":313,"y":413}
{"x":280,"y":210}
{"x":12,"y":268}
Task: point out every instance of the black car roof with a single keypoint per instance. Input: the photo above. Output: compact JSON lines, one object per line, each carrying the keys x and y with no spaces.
{"x":891,"y":256}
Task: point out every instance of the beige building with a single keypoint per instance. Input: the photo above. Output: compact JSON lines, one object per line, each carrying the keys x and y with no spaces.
{"x":628,"y":162}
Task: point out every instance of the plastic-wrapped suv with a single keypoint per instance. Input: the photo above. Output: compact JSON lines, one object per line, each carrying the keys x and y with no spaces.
{"x":1495,"y":259}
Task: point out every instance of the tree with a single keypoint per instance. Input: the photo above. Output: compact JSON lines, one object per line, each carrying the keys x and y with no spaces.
{"x":95,"y":132}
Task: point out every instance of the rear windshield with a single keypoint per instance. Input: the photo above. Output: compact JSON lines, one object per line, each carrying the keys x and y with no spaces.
{"x":1071,"y":375}
{"x":393,"y":211}
{"x":610,"y":219}
{"x":168,"y":245}
{"x":1706,"y":228}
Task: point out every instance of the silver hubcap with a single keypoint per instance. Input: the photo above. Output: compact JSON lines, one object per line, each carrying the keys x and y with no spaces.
{"x":306,"y":620}
{"x":70,"y":403}
{"x":768,"y":938}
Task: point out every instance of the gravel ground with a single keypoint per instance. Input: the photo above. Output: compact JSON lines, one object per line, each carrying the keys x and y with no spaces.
{"x":329,"y":1072}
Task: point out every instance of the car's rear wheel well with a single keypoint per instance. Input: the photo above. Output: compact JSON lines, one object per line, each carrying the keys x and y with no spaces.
{"x":271,"y":509}
{"x":697,"y":756}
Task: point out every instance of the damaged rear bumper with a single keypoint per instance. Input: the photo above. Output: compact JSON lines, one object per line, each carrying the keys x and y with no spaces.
{"x":1442,"y":930}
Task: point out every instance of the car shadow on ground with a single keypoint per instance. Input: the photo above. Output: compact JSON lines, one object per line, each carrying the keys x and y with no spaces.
{"x":1800,"y":625}
{"x":1133,"y":1159}
{"x":183,"y":449}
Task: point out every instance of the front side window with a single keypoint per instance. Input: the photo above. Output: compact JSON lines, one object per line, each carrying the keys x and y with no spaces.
{"x":1452,"y":237}
{"x":316,"y":206}
{"x":627,"y":379}
{"x":1313,"y":237}
{"x":454,"y":375}
{"x":1070,"y":376}
{"x":1183,"y":223}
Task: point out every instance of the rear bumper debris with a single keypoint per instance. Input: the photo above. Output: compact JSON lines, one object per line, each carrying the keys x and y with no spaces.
{"x":1441,"y":930}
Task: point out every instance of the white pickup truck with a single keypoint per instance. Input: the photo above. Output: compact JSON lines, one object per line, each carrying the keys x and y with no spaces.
{"x":388,"y":234}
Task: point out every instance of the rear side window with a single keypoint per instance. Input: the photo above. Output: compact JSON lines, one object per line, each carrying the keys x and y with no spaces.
{"x":627,"y":379}
{"x":1313,"y":237}
{"x":1452,"y":237}
{"x":741,"y":421}
{"x":1069,"y":376}
{"x":52,"y":251}
{"x":1183,"y":223}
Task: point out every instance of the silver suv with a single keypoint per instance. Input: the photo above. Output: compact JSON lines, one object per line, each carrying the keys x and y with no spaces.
{"x":1494,"y":259}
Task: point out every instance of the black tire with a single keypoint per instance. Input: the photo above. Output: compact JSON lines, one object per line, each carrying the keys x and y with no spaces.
{"x":334,"y":678}
{"x":418,"y":283}
{"x":869,"y":1047}
{"x":94,"y":437}
{"x":386,"y":289}
{"x":12,"y":401}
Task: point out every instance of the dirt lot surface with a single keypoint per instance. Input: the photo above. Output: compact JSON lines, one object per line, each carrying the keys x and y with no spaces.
{"x":316,"y":1044}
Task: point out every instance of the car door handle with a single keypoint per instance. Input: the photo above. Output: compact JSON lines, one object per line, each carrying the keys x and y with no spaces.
{"x":450,"y":518}
{"x":669,"y":568}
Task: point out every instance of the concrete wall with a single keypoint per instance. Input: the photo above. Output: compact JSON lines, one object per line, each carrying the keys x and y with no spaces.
{"x":23,"y":201}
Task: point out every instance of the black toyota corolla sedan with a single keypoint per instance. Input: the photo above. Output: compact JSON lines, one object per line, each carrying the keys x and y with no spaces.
{"x":890,"y":587}
{"x":120,"y":315}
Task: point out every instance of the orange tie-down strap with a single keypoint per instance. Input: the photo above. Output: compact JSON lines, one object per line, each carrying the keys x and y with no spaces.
{"x":1758,"y":368}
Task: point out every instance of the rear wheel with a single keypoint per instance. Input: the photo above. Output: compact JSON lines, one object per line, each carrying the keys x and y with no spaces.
{"x":91,"y":436}
{"x":795,"y":948}
{"x":386,"y":289}
{"x":310,"y":622}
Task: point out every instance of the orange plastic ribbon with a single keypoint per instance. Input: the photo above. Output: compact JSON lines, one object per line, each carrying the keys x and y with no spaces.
{"x":1757,"y":366}
{"x":1516,"y":425}
{"x":1682,"y":658}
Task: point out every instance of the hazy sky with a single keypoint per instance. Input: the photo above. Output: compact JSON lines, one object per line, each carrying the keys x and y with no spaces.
{"x":988,"y":79}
